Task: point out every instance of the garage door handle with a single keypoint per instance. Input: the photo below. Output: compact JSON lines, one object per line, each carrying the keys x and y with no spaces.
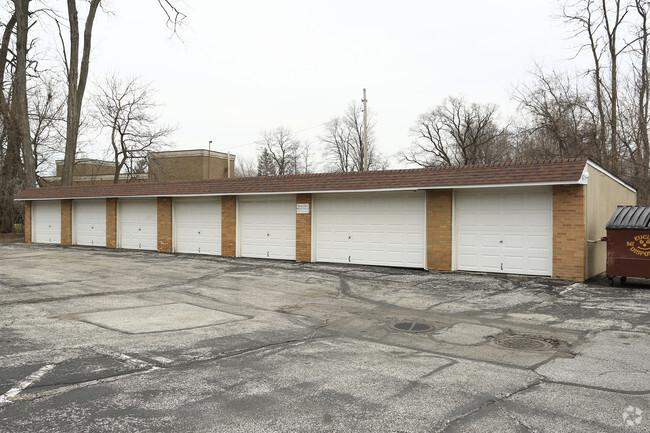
{"x":500,"y":242}
{"x":139,"y":229}
{"x":349,"y":259}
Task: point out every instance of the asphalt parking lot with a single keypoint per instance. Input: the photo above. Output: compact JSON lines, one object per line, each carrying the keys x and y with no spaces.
{"x":97,"y":340}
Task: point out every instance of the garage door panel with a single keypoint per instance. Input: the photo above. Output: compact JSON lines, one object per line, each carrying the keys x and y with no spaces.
{"x":514,"y":263}
{"x":469,"y":240}
{"x":268,"y":227}
{"x":89,"y":222}
{"x":375,"y":229}
{"x":514,"y":241}
{"x":197,"y":226}
{"x":514,"y":227}
{"x":46,"y":222}
{"x":139,"y":224}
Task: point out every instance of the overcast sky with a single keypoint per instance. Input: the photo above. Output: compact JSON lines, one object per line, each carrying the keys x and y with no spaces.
{"x":245,"y":66}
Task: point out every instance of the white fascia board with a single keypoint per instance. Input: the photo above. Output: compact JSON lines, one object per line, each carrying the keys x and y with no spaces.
{"x":338,"y":191}
{"x":590,"y":163}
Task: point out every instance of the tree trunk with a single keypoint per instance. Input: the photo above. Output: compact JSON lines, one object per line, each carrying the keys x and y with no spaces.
{"x":9,"y":182}
{"x":77,"y":79}
{"x":644,"y":143}
{"x":19,"y":104}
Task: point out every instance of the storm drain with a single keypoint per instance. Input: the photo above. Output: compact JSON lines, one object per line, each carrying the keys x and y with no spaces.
{"x":411,"y":327}
{"x":525,"y":342}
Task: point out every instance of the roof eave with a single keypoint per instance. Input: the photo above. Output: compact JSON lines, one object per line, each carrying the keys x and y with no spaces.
{"x":290,"y":192}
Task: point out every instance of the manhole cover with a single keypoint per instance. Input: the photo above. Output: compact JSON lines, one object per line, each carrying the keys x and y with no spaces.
{"x":525,"y":342}
{"x":411,"y":327}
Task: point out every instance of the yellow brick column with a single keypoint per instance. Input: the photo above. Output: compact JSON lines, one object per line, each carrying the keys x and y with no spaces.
{"x":28,"y":221}
{"x":439,"y":229}
{"x":303,"y":229}
{"x":569,"y":232}
{"x":165,"y":224}
{"x":111,"y":223}
{"x":66,"y":222}
{"x":229,"y":226}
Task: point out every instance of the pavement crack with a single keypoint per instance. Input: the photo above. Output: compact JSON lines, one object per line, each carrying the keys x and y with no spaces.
{"x":487,"y":404}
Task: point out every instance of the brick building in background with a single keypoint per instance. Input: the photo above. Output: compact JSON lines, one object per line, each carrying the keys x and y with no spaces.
{"x":161,"y":167}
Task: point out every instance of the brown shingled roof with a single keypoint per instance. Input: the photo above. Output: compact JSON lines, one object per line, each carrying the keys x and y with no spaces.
{"x":552,"y":171}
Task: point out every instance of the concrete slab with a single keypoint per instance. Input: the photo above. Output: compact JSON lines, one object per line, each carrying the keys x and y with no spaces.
{"x":610,"y":360}
{"x":466,"y":334}
{"x":158,"y":318}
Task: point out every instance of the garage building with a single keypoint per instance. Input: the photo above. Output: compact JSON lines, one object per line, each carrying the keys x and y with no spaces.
{"x":539,"y":218}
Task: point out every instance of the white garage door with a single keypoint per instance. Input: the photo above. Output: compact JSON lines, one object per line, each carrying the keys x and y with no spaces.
{"x":505,"y":231}
{"x":197,"y":225}
{"x":268,"y":227}
{"x":385,"y":229}
{"x":89,"y":220}
{"x":139,"y":224}
{"x":46,"y":222}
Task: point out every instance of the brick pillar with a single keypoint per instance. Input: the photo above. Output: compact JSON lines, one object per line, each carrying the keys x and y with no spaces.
{"x":111,"y":223}
{"x":229,"y":226}
{"x":439,"y":229}
{"x":28,"y":221}
{"x":165,"y":224}
{"x":303,"y":230}
{"x":569,"y":231}
{"x":66,"y":222}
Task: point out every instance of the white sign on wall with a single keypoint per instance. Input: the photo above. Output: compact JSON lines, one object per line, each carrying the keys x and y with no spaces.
{"x":302,"y":208}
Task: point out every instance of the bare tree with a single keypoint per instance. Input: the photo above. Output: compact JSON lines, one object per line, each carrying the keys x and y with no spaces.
{"x":47,"y":121}
{"x":634,"y":113}
{"x":127,"y":110}
{"x":457,"y":133}
{"x":77,"y":69}
{"x":343,"y":141}
{"x":283,"y":150}
{"x":598,"y":23}
{"x":560,"y":118}
{"x":77,"y":77}
{"x":246,"y":167}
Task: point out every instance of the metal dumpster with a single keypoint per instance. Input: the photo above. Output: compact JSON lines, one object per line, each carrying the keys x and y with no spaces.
{"x":628,"y":243}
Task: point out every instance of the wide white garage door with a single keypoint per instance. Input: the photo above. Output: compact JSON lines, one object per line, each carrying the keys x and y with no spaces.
{"x":507,"y":231}
{"x":46,"y":222}
{"x":89,"y":220}
{"x":385,"y":229}
{"x":197,"y":225}
{"x":139,"y":224}
{"x":268,"y":227}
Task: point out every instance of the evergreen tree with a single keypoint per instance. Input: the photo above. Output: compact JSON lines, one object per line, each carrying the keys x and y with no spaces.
{"x":265,"y":164}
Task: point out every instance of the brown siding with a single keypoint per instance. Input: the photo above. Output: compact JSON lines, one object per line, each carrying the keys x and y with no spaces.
{"x":165,"y":224}
{"x":28,"y":221}
{"x":228,"y":226}
{"x":303,"y":230}
{"x":569,"y":232}
{"x":439,"y":228}
{"x":66,"y":222}
{"x":111,"y":223}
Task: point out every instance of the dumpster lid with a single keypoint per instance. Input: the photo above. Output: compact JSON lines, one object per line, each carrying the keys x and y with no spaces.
{"x":630,"y":217}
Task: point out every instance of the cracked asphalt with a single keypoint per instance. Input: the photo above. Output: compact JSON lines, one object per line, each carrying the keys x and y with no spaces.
{"x":94,"y":340}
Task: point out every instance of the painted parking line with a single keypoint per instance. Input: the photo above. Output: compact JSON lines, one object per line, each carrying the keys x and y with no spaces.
{"x":34,"y":377}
